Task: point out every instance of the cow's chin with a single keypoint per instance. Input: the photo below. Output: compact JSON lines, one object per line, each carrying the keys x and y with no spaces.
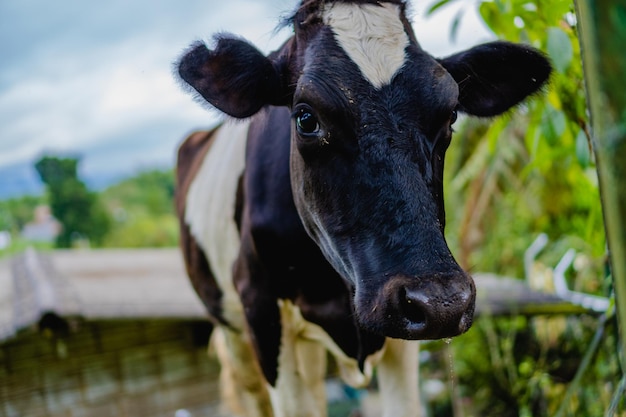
{"x":403,"y":309}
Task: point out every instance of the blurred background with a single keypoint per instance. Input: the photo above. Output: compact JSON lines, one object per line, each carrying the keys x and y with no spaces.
{"x":96,"y":81}
{"x":90,"y":120}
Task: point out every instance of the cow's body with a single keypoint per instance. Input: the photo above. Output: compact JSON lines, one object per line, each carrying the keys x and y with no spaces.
{"x":305,"y":283}
{"x":325,"y":233}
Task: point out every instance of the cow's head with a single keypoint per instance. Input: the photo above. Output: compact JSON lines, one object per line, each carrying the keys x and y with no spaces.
{"x":372,"y":119}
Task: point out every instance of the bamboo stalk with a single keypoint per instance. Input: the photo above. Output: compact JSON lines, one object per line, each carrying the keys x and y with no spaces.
{"x":602,"y":37}
{"x":618,"y":397}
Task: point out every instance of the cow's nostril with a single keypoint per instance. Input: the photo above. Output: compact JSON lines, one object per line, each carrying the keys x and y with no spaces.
{"x":413,"y":307}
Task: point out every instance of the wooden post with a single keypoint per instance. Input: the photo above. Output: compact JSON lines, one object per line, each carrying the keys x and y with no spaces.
{"x":602,"y":37}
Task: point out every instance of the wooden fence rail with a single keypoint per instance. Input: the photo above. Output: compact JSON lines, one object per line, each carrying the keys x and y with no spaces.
{"x":151,"y":283}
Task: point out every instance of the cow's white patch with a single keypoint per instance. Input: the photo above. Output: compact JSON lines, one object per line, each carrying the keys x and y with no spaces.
{"x":297,"y":328}
{"x":299,"y":389}
{"x":211,"y":210}
{"x":372,"y":35}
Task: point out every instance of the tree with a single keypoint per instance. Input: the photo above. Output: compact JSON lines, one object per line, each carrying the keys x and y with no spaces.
{"x":78,"y":209}
{"x":143,"y":211}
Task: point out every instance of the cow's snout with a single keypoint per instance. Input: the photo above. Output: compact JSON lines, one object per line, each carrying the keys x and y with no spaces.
{"x":427,"y":307}
{"x":444,"y":308}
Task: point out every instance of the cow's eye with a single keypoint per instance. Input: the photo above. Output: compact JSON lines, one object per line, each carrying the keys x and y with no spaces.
{"x":306,"y":122}
{"x":453,"y":116}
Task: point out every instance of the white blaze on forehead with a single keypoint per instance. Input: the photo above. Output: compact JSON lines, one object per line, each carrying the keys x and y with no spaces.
{"x":372,"y":35}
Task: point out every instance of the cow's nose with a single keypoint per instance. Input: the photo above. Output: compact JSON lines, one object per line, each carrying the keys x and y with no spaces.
{"x":437,"y":306}
{"x":427,"y":306}
{"x":428,"y":315}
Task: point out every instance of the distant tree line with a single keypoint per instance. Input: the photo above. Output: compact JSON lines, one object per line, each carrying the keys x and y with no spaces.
{"x":136,"y":212}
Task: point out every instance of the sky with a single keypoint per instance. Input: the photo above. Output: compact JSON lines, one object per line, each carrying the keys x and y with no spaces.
{"x":94,"y":80}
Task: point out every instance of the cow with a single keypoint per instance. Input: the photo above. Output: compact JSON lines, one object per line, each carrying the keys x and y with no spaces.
{"x":312,"y":219}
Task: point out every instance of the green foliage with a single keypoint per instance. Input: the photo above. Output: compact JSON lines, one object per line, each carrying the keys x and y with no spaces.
{"x":508,"y":180}
{"x":137,"y":212}
{"x":531,"y":171}
{"x":16,"y":212}
{"x":523,"y":367}
{"x":151,"y":192}
{"x":19,"y":245}
{"x":71,"y":203}
{"x":143,"y":211}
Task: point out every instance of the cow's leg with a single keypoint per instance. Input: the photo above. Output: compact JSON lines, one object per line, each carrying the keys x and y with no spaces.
{"x":398,"y":379}
{"x":300,"y":389}
{"x":242,"y":385}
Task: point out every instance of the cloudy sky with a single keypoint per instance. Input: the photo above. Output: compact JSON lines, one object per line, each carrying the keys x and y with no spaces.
{"x":94,"y":79}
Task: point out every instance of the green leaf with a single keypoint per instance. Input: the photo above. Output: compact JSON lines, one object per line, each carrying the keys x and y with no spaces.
{"x":583,"y":152}
{"x":454,"y":28}
{"x":490,"y":14}
{"x":560,"y":49}
{"x":553,"y":125}
{"x":432,"y":9}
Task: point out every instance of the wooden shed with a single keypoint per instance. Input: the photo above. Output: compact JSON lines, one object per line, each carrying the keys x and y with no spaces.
{"x":102,"y":333}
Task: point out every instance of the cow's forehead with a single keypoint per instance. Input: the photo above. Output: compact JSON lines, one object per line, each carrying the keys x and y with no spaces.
{"x":372,"y":35}
{"x":384,"y":58}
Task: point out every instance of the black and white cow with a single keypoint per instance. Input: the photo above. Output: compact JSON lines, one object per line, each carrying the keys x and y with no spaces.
{"x":316,"y":222}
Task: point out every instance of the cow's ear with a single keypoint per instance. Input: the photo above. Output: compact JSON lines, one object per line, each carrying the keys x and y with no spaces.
{"x":235,"y":77}
{"x":496,"y":76}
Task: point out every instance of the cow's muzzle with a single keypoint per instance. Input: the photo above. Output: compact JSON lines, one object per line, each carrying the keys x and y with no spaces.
{"x":431,"y":306}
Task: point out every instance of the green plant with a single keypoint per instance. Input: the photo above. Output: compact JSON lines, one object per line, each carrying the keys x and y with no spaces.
{"x":531,"y":171}
{"x":508,"y":180}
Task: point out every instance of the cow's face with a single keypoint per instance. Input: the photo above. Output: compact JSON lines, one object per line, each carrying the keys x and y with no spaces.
{"x":372,"y":118}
